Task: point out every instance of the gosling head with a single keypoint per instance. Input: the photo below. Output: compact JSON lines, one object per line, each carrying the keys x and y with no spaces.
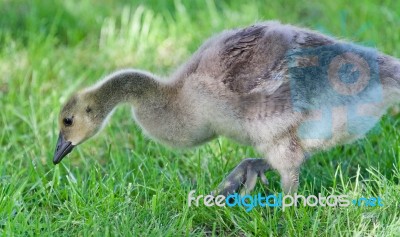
{"x":79,"y":119}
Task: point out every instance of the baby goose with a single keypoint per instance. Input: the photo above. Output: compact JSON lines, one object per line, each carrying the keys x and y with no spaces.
{"x":285,"y":90}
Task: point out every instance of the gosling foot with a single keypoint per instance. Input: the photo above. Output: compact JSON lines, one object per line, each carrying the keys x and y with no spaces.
{"x":244,"y":177}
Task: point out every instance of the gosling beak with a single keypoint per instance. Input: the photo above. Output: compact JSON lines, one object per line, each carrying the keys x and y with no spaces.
{"x":62,"y":149}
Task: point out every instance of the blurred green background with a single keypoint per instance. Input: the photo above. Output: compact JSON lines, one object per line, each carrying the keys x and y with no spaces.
{"x":121,"y":183}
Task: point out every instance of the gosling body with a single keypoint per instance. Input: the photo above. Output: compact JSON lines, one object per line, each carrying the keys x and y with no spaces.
{"x":241,"y":84}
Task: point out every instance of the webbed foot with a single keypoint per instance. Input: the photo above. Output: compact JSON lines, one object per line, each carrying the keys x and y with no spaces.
{"x":244,"y":175}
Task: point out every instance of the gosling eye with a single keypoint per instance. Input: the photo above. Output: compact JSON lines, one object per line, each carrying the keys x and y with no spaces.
{"x":68,"y":121}
{"x":88,"y":109}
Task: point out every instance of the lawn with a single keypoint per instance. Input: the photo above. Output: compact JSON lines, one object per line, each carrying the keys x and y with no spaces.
{"x":122,"y":183}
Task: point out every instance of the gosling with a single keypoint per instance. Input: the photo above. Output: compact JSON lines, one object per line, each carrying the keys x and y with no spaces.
{"x":285,"y":90}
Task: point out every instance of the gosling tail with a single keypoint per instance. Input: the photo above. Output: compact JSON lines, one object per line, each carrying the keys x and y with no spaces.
{"x":389,"y":70}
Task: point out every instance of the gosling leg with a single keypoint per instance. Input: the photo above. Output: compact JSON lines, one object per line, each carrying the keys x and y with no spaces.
{"x":286,"y":156}
{"x":244,"y":175}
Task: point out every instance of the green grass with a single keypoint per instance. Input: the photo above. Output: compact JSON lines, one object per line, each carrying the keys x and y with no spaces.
{"x":121,"y":183}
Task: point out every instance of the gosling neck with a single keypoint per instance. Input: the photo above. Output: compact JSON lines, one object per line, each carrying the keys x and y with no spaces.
{"x":127,"y":86}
